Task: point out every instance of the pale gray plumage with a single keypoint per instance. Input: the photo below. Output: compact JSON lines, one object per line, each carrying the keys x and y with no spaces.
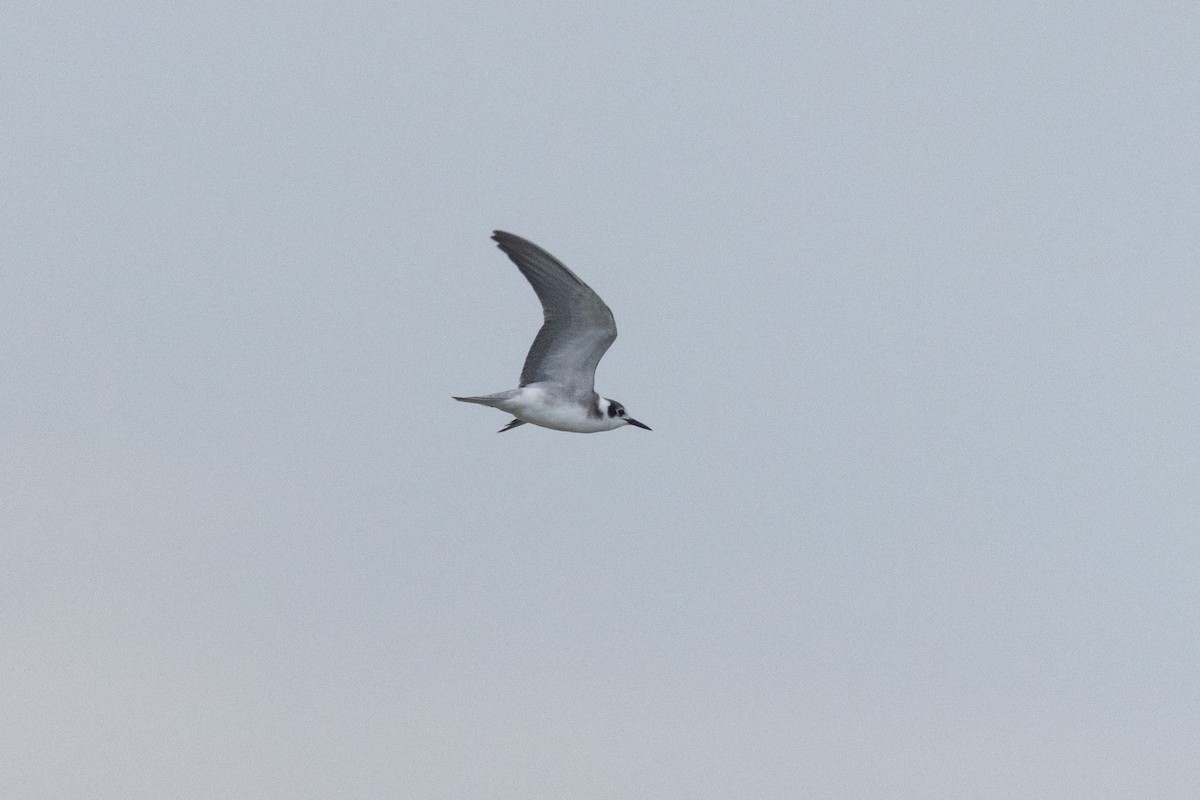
{"x":578,"y":327}
{"x":556,"y":388}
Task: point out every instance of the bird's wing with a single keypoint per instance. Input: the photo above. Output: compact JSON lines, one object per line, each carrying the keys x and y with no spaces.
{"x":578,"y":326}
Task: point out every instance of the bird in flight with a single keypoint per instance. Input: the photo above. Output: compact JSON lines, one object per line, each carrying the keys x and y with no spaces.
{"x":557,"y":383}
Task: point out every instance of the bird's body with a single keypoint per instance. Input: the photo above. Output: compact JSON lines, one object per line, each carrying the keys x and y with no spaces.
{"x":556,"y":389}
{"x":547,"y":405}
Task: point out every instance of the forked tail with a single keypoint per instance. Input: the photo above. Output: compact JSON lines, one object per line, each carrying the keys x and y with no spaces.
{"x":493,"y":400}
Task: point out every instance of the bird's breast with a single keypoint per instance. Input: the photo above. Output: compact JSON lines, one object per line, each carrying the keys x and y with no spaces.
{"x":550,"y":408}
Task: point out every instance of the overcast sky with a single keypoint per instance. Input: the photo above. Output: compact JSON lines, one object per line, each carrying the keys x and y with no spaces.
{"x":908,"y":292}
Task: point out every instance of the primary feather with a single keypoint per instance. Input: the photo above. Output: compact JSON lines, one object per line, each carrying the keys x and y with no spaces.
{"x":578,"y":327}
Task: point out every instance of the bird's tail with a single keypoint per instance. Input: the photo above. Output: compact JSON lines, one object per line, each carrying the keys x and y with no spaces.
{"x":493,"y":400}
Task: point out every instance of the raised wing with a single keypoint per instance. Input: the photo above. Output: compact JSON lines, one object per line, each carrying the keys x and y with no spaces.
{"x":578,"y":326}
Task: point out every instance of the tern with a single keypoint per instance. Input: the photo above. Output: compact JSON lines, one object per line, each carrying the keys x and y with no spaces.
{"x":557,"y":383}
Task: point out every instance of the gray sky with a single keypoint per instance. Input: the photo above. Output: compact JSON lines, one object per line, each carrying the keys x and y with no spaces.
{"x":908,"y":294}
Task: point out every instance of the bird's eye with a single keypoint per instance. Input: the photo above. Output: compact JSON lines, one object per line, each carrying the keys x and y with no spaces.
{"x":620,"y":412}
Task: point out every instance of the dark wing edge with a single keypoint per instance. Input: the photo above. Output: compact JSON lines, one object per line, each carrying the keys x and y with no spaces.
{"x":565,"y":299}
{"x":538,"y":266}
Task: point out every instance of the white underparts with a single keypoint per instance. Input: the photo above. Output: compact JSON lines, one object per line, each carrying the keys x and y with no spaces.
{"x":550,"y":407}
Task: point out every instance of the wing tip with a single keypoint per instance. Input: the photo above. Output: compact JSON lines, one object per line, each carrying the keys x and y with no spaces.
{"x":515,"y":246}
{"x":500,"y":237}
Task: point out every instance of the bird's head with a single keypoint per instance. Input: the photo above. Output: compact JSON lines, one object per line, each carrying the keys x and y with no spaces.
{"x":614,"y":412}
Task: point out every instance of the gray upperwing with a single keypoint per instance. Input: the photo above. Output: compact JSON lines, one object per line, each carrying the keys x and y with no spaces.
{"x":578,"y":327}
